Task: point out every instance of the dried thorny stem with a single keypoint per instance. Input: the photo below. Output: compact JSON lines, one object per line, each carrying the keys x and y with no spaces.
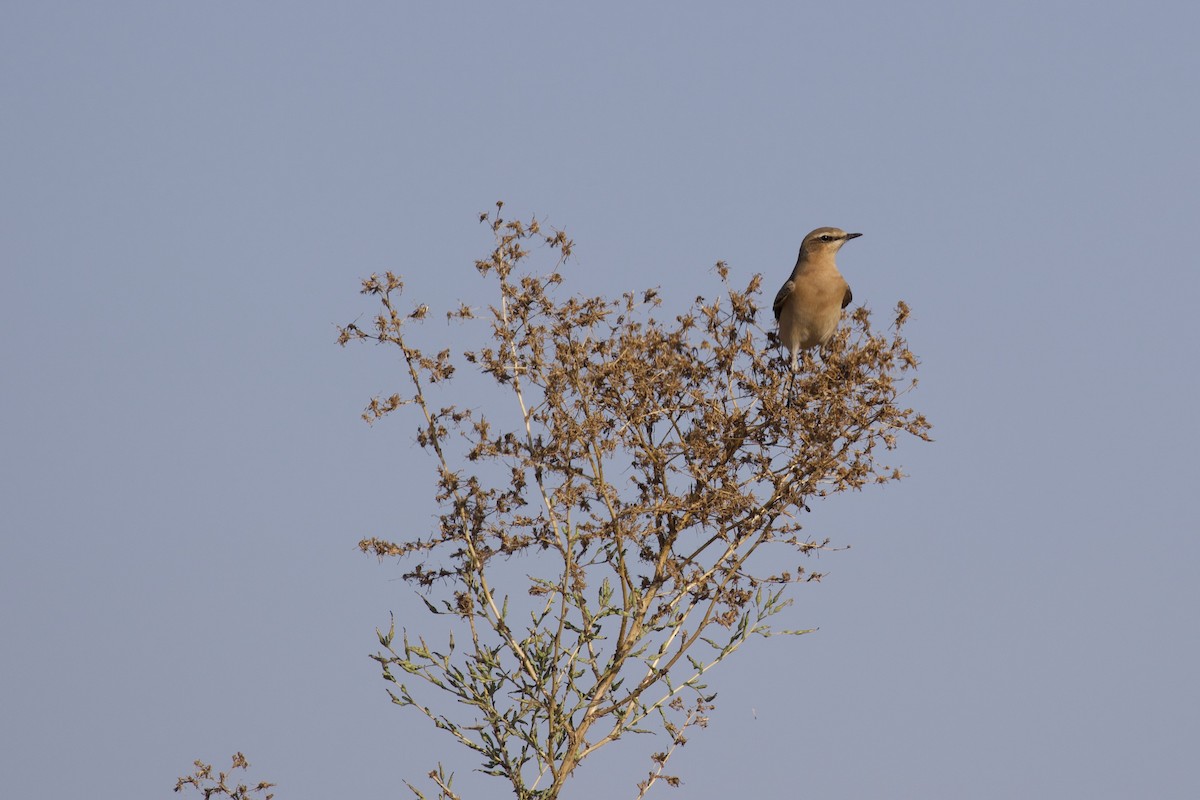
{"x":695,"y":716}
{"x":653,"y":473}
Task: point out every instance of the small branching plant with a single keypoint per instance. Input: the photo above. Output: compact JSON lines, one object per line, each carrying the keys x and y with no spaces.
{"x":204,"y":782}
{"x":650,"y":474}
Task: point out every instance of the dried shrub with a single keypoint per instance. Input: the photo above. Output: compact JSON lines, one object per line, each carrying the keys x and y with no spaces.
{"x":643,"y":462}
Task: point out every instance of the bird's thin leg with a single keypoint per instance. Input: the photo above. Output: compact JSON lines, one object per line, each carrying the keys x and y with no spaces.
{"x":791,"y":381}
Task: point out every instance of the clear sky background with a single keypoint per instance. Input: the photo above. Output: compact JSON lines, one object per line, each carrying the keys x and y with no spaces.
{"x":190,"y":193}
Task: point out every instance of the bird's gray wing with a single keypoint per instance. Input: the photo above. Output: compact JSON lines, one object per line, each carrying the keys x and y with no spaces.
{"x":784,"y":292}
{"x":847,"y":299}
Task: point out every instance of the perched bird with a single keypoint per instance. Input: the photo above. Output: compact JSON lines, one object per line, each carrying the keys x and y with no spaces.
{"x":809,"y":306}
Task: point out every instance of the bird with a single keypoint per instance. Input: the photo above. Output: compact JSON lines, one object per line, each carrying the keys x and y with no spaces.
{"x":809,"y":305}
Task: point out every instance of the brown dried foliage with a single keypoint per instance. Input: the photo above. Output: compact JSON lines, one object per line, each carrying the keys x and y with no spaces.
{"x":656,"y":457}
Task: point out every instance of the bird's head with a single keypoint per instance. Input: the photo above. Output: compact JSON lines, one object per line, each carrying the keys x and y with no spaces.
{"x":826,"y":240}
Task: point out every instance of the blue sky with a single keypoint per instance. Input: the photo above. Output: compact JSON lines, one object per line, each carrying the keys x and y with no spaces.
{"x":191,"y":192}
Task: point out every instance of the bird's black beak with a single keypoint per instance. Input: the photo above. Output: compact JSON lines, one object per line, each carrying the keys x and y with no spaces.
{"x":850,"y":236}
